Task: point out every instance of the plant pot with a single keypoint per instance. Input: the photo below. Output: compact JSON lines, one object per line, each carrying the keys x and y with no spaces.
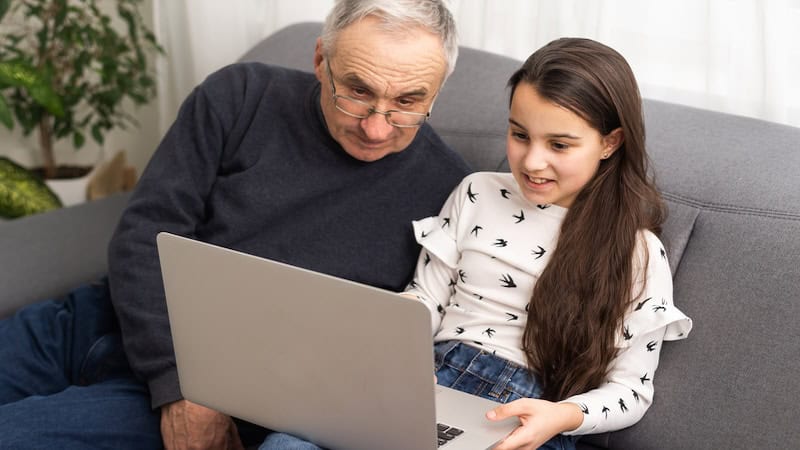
{"x":71,"y":191}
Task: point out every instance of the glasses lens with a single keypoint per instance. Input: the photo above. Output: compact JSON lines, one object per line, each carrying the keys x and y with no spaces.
{"x":353,"y":107}
{"x":407,"y":119}
{"x":357,"y":108}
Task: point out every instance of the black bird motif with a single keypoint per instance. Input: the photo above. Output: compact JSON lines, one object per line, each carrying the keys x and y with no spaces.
{"x":658,"y":308}
{"x":651,"y":346}
{"x":477,"y":343}
{"x":605,"y":411}
{"x":640,"y":304}
{"x":413,"y":284}
{"x":663,"y":254}
{"x":445,"y":222}
{"x":622,"y":406}
{"x":471,"y":195}
{"x":423,"y":235}
{"x":508,"y":281}
{"x":462,"y":275}
{"x":519,"y":217}
{"x":500,"y":243}
{"x":427,"y":259}
{"x":584,"y":408}
{"x":475,"y":230}
{"x":459,"y":330}
{"x":644,"y":378}
{"x":538,"y":253}
{"x":489,"y":332}
{"x":440,"y":309}
{"x":479,"y":297}
{"x":505,"y":193}
{"x":626,"y":333}
{"x":635,"y":395}
{"x":542,"y":206}
{"x":512,"y":317}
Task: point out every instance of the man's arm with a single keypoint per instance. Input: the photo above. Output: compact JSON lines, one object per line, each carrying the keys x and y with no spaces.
{"x":171,"y":196}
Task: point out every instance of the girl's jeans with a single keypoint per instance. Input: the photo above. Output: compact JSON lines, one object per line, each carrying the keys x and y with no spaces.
{"x":467,"y":369}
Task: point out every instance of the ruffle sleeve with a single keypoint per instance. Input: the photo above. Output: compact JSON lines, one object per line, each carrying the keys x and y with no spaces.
{"x":430,"y":233}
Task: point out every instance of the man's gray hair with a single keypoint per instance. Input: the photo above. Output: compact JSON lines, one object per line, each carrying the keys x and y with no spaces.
{"x":396,"y":16}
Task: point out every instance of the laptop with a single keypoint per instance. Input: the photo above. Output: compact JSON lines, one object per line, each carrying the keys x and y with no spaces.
{"x":338,"y":363}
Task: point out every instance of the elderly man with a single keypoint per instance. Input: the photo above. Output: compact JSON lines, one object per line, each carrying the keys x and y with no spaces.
{"x":324,"y":171}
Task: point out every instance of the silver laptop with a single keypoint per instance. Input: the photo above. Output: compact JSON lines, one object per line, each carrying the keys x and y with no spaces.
{"x":342,"y":364}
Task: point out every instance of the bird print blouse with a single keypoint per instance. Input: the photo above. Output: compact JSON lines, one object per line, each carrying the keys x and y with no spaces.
{"x":480,"y":260}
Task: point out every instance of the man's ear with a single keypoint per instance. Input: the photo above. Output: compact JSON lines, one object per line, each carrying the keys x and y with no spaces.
{"x":612,"y":141}
{"x":318,"y":60}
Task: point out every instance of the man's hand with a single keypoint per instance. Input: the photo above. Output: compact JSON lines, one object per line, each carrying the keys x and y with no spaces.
{"x":189,"y":426}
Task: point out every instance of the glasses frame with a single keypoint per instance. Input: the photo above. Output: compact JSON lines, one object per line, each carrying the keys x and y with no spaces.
{"x":371,"y":109}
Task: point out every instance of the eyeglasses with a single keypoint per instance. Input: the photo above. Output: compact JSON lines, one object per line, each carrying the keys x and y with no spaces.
{"x":356,"y":108}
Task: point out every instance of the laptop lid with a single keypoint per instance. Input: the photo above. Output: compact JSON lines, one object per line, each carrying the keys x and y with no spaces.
{"x":342,"y":364}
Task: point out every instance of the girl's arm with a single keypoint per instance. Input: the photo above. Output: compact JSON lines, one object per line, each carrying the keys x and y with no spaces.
{"x":432,"y":282}
{"x":652,"y":319}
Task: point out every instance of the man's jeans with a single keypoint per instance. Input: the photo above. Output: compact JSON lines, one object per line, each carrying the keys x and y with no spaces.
{"x":65,"y":382}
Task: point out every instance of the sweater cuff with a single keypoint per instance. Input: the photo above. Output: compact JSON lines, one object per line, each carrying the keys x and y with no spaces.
{"x":165,"y":389}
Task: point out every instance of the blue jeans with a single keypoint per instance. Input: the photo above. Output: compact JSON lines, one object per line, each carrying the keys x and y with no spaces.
{"x":65,"y":381}
{"x":467,"y":369}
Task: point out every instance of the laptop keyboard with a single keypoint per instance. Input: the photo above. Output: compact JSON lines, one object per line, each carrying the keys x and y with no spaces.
{"x":447,"y":433}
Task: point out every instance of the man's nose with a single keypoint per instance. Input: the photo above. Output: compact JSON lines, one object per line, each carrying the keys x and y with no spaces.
{"x":376,"y":127}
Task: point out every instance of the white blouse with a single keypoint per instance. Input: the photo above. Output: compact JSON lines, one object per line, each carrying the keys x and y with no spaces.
{"x":480,"y":259}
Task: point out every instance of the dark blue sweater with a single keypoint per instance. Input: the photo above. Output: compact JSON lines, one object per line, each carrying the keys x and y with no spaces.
{"x":249,"y":164}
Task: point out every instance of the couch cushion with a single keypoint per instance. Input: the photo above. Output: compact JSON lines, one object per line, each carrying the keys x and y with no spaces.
{"x":677,"y":229}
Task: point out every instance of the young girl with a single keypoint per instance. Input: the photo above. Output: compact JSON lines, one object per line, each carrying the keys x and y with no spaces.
{"x":548,"y":288}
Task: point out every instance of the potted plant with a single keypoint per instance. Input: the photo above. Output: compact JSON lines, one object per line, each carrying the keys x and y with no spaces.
{"x":67,"y":67}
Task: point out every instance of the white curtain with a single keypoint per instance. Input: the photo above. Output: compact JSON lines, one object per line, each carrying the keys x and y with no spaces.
{"x":737,"y":56}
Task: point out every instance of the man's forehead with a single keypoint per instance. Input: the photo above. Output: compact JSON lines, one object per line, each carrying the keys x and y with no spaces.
{"x":385,"y":61}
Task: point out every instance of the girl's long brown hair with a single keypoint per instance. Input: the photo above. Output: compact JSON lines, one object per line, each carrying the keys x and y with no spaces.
{"x":578,"y":303}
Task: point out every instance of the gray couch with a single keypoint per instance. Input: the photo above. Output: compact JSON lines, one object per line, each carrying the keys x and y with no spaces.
{"x":733,"y":237}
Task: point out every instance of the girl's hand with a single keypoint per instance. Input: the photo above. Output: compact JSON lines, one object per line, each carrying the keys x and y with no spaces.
{"x":540,"y":420}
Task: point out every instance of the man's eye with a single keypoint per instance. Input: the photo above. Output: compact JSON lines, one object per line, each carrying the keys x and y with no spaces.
{"x":519,"y":136}
{"x":405,"y":103}
{"x":359,"y":92}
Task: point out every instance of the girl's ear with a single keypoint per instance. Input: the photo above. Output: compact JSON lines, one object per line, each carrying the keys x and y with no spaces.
{"x":612,"y":141}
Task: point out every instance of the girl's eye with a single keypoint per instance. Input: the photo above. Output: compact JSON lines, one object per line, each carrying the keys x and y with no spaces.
{"x":559,"y":146}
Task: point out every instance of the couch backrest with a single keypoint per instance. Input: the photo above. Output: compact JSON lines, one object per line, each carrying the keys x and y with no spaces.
{"x":733,"y":236}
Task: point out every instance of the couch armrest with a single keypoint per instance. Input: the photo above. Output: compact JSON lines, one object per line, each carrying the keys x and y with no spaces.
{"x":46,"y":255}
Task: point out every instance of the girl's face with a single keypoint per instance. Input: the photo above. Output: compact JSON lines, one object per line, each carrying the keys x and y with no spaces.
{"x":552,"y":151}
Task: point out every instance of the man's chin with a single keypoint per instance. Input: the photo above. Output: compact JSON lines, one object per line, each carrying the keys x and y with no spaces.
{"x":368,"y":154}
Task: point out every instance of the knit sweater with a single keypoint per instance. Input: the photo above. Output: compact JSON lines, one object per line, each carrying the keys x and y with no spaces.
{"x":249,"y":165}
{"x":481,"y":258}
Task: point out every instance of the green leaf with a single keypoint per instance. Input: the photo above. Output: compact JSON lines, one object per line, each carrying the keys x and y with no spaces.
{"x":22,"y":192}
{"x":5,"y":114}
{"x":21,"y":75}
{"x":97,"y":133}
{"x":4,"y":5}
{"x":78,"y":139}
